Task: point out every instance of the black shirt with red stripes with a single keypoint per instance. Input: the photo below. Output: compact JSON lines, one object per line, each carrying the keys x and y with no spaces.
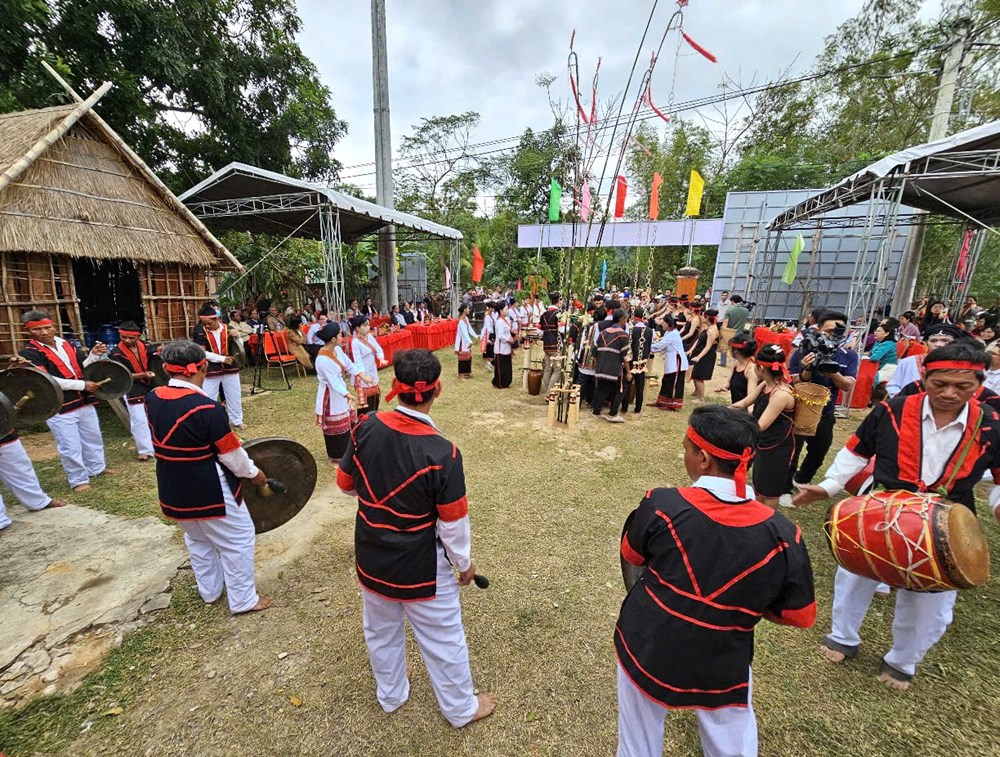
{"x":137,"y":361}
{"x":713,"y":569}
{"x":613,"y":345}
{"x":190,"y":431}
{"x":406,"y":477}
{"x":550,"y":330}
{"x":217,"y":342}
{"x":50,"y":360}
{"x":892,"y":433}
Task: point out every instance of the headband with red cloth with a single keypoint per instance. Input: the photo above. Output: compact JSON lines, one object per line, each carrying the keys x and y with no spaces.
{"x":185,"y":370}
{"x":417,"y":390}
{"x":740,"y":476}
{"x":207,"y":318}
{"x":129,"y":332}
{"x":952,"y":365}
{"x":777,"y":366}
{"x":38,"y":324}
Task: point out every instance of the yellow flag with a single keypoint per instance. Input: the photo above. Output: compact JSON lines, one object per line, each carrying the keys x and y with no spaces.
{"x":695,"y":190}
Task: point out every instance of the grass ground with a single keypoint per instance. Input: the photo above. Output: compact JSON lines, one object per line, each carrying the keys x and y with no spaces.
{"x":547,"y":508}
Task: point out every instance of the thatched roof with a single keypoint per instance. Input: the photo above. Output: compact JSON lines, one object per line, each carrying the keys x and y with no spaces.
{"x":87,"y":195}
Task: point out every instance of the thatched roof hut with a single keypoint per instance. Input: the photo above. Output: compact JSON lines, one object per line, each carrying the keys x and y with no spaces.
{"x":90,"y":233}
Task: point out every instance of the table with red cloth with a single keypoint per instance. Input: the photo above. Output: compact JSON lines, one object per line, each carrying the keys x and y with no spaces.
{"x":395,"y":341}
{"x":864,"y":384}
{"x":763,"y":335}
{"x":377,"y":321}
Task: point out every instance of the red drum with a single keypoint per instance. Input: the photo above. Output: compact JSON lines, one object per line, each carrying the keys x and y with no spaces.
{"x":909,"y":540}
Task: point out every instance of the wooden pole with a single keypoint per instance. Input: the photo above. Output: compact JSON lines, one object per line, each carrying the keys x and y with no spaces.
{"x":52,"y":137}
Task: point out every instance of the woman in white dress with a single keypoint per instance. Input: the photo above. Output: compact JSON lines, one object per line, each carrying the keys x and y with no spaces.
{"x":335,"y":405}
{"x":368,"y":356}
{"x":505,"y":334}
{"x":675,"y":365}
{"x":465,"y":337}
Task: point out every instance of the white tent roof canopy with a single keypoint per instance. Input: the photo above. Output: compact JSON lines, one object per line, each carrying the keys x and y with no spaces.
{"x":958,"y":176}
{"x":247,"y":198}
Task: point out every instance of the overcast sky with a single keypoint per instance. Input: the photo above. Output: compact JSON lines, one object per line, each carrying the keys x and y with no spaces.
{"x":452,"y":56}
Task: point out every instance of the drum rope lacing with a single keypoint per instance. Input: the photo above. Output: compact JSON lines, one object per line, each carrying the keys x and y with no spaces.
{"x":893,"y":510}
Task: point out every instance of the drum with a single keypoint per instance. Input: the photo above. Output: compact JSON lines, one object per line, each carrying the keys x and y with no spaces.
{"x":534,"y":382}
{"x":916,"y":541}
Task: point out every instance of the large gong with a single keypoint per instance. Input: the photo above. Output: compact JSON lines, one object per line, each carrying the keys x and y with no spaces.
{"x":288,"y":463}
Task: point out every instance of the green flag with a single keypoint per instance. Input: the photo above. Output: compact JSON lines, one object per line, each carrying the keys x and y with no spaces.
{"x":791,"y":267}
{"x":555,"y":196}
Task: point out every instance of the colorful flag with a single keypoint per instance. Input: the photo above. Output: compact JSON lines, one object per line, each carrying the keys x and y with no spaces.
{"x":477,"y":264}
{"x":585,"y":203}
{"x":622,"y":190}
{"x":447,"y":278}
{"x":654,"y":197}
{"x":791,"y":267}
{"x":604,"y":273}
{"x":695,"y":190}
{"x":555,"y":197}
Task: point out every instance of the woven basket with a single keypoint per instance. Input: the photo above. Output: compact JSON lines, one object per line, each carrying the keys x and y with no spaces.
{"x":810,"y":399}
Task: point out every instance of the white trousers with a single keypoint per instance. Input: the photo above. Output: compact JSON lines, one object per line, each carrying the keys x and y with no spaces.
{"x":18,"y":474}
{"x":230,"y":383}
{"x":221,"y":551}
{"x":79,"y":443}
{"x":437,"y":627}
{"x":139,"y":426}
{"x":725,"y":732}
{"x":920,"y":618}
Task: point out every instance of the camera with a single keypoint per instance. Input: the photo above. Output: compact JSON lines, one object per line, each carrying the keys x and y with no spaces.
{"x":825,"y":347}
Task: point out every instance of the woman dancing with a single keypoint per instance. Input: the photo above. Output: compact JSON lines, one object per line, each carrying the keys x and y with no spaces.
{"x":744,"y":377}
{"x":675,"y":365}
{"x":773,"y":405}
{"x":368,"y":355}
{"x":465,"y":337}
{"x":335,"y":405}
{"x":703,"y":354}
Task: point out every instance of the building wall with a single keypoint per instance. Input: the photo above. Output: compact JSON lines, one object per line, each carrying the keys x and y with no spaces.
{"x":30,"y":281}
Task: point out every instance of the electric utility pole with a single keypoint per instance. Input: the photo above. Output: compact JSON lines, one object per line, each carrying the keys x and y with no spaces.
{"x":910,"y":265}
{"x":383,"y":156}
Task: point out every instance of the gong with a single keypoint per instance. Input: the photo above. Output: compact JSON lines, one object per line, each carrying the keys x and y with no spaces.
{"x":114,"y":380}
{"x":33,"y":394}
{"x":8,"y":415}
{"x":234,"y":347}
{"x":286,"y":462}
{"x":156,"y":366}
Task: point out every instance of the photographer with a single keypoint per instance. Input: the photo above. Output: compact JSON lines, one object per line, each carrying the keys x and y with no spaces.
{"x":822,"y":361}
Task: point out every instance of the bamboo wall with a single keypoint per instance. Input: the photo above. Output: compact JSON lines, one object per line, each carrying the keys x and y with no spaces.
{"x":171,"y":296}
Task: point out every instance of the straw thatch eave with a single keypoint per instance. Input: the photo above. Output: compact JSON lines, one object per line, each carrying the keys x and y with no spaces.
{"x":87,"y":195}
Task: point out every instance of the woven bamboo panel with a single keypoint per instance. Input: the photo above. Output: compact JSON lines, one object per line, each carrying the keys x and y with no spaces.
{"x":171,"y":295}
{"x":30,"y":282}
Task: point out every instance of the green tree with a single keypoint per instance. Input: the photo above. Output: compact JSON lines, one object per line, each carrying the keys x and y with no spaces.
{"x":198,"y":83}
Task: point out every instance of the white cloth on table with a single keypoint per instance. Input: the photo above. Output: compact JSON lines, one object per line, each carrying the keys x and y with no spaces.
{"x":437,"y":628}
{"x":18,"y":474}
{"x":919,"y":620}
{"x":725,"y":732}
{"x":139,"y":426}
{"x":79,"y":443}
{"x":230,"y":383}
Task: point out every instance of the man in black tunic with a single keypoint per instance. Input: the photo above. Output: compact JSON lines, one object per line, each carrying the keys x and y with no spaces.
{"x":684,"y":637}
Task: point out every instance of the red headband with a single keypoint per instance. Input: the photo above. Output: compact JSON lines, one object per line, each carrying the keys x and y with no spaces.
{"x":952,"y":365}
{"x":207,"y":317}
{"x":185,"y":370}
{"x":129,"y":332}
{"x":741,"y":470}
{"x":417,"y":390}
{"x":38,"y":324}
{"x":776,"y":366}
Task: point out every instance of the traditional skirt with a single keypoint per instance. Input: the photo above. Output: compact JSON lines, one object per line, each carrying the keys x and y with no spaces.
{"x":369,"y":398}
{"x":464,"y":363}
{"x":671,"y":391}
{"x":503,"y":376}
{"x":488,"y":353}
{"x":336,"y":429}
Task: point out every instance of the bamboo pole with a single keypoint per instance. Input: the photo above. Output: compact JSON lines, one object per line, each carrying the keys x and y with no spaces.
{"x":53,"y":136}
{"x":138,"y":162}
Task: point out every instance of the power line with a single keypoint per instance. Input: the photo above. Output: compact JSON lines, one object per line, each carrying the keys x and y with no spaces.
{"x":647,"y":114}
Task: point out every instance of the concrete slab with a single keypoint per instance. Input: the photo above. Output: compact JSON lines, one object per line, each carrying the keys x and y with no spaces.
{"x":66,"y":570}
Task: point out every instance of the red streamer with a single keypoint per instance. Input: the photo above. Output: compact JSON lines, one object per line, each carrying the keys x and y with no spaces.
{"x":622,"y":190}
{"x":699,"y":48}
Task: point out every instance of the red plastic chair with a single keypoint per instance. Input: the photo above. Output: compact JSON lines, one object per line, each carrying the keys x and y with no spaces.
{"x":276,"y":352}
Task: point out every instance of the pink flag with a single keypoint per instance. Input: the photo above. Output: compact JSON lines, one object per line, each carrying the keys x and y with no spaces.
{"x":585,"y":203}
{"x":963,"y":256}
{"x":447,"y":278}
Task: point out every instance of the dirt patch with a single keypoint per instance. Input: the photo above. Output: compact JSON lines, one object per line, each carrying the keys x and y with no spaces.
{"x":40,"y":447}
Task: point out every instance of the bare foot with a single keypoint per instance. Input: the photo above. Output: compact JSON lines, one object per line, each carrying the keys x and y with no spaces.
{"x":886,"y":679}
{"x":81,"y":488}
{"x":142,"y":458}
{"x":487,"y":703}
{"x":56,"y":503}
{"x":262,"y":604}
{"x":832,"y":654}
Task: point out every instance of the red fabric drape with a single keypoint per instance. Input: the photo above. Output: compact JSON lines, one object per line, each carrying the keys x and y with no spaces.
{"x":477,"y":264}
{"x":620,"y":197}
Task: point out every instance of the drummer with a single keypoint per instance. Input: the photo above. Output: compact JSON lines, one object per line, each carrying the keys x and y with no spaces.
{"x":223,"y":370}
{"x":202,"y":492}
{"x":76,"y":429}
{"x":942,"y":440}
{"x":134,"y":353}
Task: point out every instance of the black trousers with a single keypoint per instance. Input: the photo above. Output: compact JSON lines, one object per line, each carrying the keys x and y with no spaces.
{"x":817,"y":447}
{"x":604,"y":390}
{"x":504,"y":373}
{"x":586,"y":382}
{"x":639,"y":382}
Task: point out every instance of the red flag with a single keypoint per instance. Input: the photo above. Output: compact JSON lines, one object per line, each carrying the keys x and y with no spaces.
{"x":654,"y":197}
{"x":699,"y":48}
{"x":620,"y":197}
{"x":477,"y":264}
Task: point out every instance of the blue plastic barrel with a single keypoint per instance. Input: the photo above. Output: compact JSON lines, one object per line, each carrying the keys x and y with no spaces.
{"x":108,"y":334}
